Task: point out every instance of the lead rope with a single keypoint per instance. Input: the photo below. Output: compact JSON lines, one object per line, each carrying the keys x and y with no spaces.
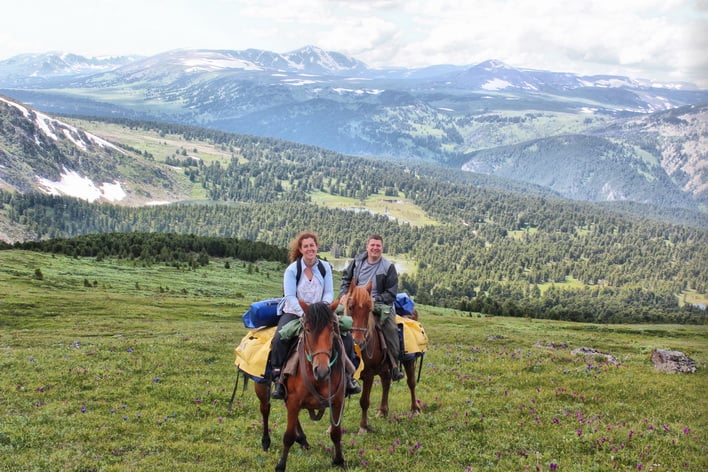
{"x":329,"y":400}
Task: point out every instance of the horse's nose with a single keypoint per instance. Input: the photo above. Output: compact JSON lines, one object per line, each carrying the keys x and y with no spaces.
{"x":321,"y":372}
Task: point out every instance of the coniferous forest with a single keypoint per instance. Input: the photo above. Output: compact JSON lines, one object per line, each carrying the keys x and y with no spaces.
{"x":495,"y":247}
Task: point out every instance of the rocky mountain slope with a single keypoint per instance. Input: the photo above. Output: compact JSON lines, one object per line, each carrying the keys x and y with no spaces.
{"x":44,"y":154}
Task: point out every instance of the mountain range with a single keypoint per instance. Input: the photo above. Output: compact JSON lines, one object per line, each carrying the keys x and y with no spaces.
{"x":597,"y":138}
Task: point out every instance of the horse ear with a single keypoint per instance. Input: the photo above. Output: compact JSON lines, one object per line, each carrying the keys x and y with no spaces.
{"x":303,"y":305}
{"x":352,"y":285}
{"x":369,"y":286}
{"x":333,"y":306}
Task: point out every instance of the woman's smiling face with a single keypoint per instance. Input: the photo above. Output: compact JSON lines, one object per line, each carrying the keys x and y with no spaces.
{"x":308,"y":249}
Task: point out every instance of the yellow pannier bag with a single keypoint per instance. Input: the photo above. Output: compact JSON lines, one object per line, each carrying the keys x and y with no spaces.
{"x":414,"y":338}
{"x":253,"y":350}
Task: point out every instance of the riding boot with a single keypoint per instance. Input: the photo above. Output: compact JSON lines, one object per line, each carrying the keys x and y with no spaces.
{"x":278,"y":392}
{"x":352,"y":386}
{"x":396,"y":374}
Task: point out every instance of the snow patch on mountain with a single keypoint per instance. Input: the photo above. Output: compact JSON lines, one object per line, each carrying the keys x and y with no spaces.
{"x":74,"y":185}
{"x":299,"y":82}
{"x":207,"y":61}
{"x":50,"y":127}
{"x":496,"y":84}
{"x":342,"y":91}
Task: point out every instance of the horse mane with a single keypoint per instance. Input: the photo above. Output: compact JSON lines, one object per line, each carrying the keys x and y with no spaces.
{"x":318,"y":315}
{"x":361,"y":296}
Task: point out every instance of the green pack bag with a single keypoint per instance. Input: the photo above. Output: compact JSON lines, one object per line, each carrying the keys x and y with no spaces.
{"x":293,"y":328}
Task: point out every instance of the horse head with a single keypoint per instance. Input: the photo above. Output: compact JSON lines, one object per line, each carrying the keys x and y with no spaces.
{"x":319,"y":328}
{"x":360,"y":306}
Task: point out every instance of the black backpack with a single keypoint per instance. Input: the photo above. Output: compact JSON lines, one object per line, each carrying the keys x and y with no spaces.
{"x":298,"y":273}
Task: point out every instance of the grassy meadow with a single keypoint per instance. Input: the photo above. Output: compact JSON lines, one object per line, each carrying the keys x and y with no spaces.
{"x":112,"y":366}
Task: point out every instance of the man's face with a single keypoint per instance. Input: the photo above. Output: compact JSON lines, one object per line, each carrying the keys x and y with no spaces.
{"x":374,"y":249}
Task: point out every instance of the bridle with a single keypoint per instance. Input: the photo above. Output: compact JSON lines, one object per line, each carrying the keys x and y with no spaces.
{"x":367,"y":330}
{"x":305,"y":354}
{"x":309,"y":355}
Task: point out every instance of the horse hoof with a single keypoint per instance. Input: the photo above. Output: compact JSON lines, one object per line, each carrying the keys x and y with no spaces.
{"x":339,"y":463}
{"x":305,"y":446}
{"x":366,"y":430}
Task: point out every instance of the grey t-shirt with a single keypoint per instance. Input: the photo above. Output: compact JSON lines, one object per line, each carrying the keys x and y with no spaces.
{"x":368,"y":272}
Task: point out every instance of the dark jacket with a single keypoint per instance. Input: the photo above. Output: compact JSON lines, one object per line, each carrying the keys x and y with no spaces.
{"x":386,"y":279}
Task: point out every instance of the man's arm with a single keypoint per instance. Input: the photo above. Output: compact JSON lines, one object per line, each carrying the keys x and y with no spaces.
{"x":387,"y":294}
{"x":347,"y":275}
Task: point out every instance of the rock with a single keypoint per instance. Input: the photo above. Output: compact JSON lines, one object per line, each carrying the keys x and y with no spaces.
{"x":495,"y":337}
{"x":551,"y":344}
{"x":672,"y":361}
{"x":592,"y":353}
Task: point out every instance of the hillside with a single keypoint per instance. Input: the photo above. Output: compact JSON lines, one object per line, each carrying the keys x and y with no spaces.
{"x":123,"y":363}
{"x":462,"y":240}
{"x":41,"y":153}
{"x":593,"y":168}
{"x":437,"y":114}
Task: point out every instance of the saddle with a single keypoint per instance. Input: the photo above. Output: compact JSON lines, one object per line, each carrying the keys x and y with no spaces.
{"x":291,"y":365}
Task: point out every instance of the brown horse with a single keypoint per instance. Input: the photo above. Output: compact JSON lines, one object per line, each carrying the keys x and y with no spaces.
{"x":318,"y":384}
{"x":366,"y":335}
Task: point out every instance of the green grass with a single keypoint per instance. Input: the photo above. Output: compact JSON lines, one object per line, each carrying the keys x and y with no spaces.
{"x":400,"y":208}
{"x":125,"y":376}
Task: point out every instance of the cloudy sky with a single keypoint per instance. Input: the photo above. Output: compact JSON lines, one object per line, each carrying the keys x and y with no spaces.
{"x":661,"y":40}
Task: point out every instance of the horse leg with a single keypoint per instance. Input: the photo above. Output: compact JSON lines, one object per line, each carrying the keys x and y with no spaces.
{"x":364,"y":401}
{"x":335,"y":434}
{"x":261,"y":390}
{"x":288,"y":437}
{"x":385,"y":387}
{"x":300,"y":437}
{"x":410,"y":378}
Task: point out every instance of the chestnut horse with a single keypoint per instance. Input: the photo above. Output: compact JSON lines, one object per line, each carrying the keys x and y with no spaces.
{"x":367,"y":336}
{"x":318,"y":384}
